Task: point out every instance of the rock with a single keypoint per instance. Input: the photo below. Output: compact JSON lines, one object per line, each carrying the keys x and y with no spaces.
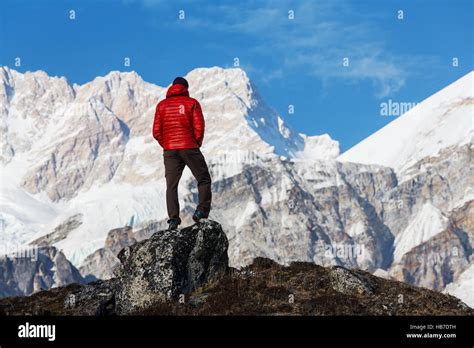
{"x":348,"y":282}
{"x":169,"y":264}
{"x":302,"y":288}
{"x":382,"y":274}
{"x":97,"y":298}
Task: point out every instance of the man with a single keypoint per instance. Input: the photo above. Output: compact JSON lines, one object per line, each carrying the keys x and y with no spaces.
{"x":179,"y":129}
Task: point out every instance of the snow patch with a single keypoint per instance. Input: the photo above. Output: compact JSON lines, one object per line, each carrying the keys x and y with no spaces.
{"x":427,"y":223}
{"x":318,"y":147}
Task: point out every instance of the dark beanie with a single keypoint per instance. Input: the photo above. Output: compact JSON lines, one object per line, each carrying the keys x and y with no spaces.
{"x":181,"y":81}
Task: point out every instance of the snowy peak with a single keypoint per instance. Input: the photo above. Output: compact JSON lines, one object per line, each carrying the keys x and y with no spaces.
{"x":114,"y":80}
{"x":234,"y":87}
{"x":227,"y":92}
{"x":33,"y":92}
{"x":442,"y":120}
{"x":231,"y":103}
{"x":220,"y":81}
{"x":319,"y":147}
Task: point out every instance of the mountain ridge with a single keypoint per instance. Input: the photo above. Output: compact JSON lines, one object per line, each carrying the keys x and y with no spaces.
{"x":69,"y":184}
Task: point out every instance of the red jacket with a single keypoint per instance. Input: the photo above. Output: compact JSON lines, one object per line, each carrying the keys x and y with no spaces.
{"x":179,"y":123}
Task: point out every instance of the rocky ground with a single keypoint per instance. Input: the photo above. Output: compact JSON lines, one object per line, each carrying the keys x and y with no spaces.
{"x":186,"y":273}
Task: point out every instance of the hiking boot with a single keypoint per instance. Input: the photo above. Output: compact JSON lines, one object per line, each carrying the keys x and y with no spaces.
{"x":198,"y":215}
{"x":173,"y":223}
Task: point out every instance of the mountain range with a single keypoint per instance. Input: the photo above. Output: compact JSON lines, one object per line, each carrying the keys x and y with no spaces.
{"x":82,"y":173}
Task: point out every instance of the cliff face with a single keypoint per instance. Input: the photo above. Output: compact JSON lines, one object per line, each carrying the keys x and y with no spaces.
{"x":186,"y":272}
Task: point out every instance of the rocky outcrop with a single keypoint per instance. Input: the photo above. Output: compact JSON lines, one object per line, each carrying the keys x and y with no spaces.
{"x":43,"y":269}
{"x":186,"y":273}
{"x":170,"y":264}
{"x":349,"y":283}
{"x":162,"y":268}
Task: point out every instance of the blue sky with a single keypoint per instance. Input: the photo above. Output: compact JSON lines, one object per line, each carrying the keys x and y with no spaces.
{"x":298,"y":61}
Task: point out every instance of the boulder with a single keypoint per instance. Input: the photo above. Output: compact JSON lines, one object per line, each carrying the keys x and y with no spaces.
{"x":348,"y":282}
{"x":170,"y":264}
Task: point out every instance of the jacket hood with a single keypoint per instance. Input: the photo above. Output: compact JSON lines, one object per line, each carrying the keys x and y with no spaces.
{"x":177,"y":90}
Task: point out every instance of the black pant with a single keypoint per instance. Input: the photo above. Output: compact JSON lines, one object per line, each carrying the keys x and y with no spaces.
{"x":175,"y":160}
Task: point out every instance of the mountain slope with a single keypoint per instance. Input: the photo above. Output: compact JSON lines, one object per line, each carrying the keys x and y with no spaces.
{"x":440,"y":121}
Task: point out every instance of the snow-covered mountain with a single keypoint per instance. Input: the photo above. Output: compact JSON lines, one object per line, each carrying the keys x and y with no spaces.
{"x":430,"y":212}
{"x":442,"y":120}
{"x":80,"y":161}
{"x":86,"y":151}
